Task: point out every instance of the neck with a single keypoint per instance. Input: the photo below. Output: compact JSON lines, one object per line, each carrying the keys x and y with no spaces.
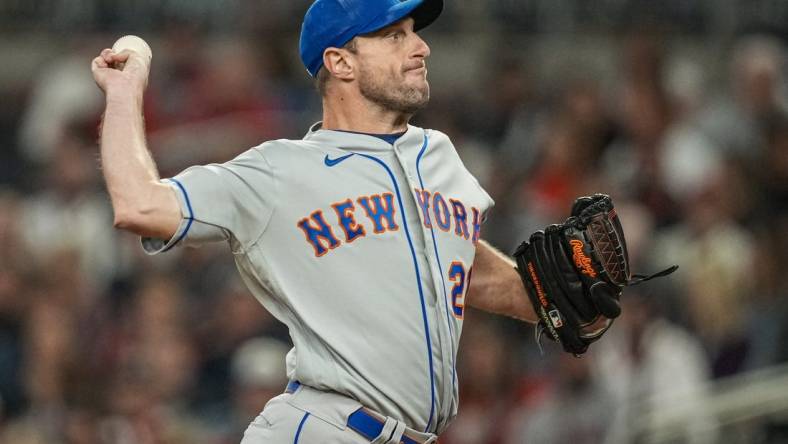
{"x":355,"y":113}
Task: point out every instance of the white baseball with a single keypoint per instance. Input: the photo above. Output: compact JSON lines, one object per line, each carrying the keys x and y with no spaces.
{"x":133,"y":43}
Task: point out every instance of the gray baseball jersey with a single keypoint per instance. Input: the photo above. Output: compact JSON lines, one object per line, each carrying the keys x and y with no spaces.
{"x":362,"y":248}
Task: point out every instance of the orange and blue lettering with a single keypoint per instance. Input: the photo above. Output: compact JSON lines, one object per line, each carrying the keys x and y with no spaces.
{"x":348,"y":222}
{"x":318,"y":233}
{"x":460,"y":218}
{"x":382,"y":208}
{"x":423,"y":198}
{"x":457,"y":275}
{"x":477,"y":225}
{"x":441,"y":210}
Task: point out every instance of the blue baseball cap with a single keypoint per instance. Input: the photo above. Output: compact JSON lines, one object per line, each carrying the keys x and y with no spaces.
{"x":333,"y":23}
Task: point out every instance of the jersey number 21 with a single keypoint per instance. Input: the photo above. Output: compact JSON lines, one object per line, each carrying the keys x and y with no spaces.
{"x":462,"y":281}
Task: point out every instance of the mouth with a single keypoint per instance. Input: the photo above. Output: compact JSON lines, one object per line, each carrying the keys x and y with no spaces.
{"x":417,"y":73}
{"x":417,"y":68}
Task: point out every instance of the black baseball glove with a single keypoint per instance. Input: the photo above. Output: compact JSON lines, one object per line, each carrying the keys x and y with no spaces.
{"x":574,"y":273}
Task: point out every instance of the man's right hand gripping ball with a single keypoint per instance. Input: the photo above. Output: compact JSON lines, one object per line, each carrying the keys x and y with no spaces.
{"x":126,"y":71}
{"x":574,"y":273}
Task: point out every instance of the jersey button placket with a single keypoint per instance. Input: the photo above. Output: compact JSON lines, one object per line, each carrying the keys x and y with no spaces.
{"x":445,"y":350}
{"x":442,"y":310}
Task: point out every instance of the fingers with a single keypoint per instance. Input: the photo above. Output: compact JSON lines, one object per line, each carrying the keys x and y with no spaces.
{"x":125,"y":68}
{"x":111,"y":59}
{"x":99,"y":62}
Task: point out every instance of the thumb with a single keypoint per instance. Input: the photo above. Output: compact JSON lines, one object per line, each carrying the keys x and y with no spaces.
{"x":134,"y":64}
{"x":126,"y":57}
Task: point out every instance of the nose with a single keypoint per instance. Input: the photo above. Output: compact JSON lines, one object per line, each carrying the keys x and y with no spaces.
{"x":422,"y":48}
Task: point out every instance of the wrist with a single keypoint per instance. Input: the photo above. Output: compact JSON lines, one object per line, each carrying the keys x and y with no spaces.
{"x":125,"y":95}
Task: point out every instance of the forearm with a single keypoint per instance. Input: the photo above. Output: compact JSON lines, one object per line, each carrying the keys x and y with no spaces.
{"x":496,"y":287}
{"x":127,"y":164}
{"x":138,"y":199}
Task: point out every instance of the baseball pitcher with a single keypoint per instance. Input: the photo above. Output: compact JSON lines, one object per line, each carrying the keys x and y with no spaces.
{"x":363,"y":236}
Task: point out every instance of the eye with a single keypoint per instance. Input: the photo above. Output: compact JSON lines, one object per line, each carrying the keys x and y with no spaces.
{"x":396,"y":35}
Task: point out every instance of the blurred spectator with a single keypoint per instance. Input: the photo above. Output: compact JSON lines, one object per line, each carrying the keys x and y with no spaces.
{"x":575,"y":410}
{"x":715,"y":255}
{"x":70,"y":214}
{"x":15,"y":266}
{"x":63,"y":97}
{"x":222,"y":105}
{"x":563,"y":171}
{"x":512,"y":121}
{"x":12,"y":306}
{"x":649,"y":365}
{"x":49,"y":360}
{"x":757,"y":90}
{"x":137,"y":415}
{"x":511,"y":96}
{"x":548,"y":158}
{"x":13,"y":250}
{"x":772,"y":198}
{"x":258,"y":375}
{"x":767,"y":310}
{"x":152,"y":372}
{"x":487,"y":384}
{"x":687,"y":161}
{"x":234,"y":317}
{"x":633,"y":162}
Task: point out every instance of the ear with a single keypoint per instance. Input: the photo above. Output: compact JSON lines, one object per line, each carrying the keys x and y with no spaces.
{"x":340,"y":63}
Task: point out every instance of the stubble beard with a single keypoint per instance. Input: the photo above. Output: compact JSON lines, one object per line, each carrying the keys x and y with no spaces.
{"x":393,"y":94}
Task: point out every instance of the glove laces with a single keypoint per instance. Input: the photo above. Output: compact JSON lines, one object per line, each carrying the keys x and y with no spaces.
{"x":640,"y":278}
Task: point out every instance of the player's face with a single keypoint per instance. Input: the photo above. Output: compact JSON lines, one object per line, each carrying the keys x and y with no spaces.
{"x":392,"y":69}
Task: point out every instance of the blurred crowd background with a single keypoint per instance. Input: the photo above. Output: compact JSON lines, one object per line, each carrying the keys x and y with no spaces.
{"x":677,"y":109}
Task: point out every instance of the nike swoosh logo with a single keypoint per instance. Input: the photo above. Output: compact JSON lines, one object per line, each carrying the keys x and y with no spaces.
{"x":334,"y":162}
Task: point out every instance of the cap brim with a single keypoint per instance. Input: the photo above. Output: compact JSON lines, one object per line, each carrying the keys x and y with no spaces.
{"x":424,"y":12}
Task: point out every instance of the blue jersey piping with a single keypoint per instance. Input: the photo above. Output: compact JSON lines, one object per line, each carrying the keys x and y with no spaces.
{"x":300,"y":426}
{"x":190,"y":218}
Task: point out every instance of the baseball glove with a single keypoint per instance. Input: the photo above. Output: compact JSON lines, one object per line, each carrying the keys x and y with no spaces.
{"x":574,"y":273}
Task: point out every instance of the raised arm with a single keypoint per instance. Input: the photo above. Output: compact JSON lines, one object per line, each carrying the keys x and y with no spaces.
{"x":140,"y":202}
{"x":496,"y":287}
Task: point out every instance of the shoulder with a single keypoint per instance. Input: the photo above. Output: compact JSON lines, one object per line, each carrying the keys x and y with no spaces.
{"x":280,"y":150}
{"x":439,"y":143}
{"x":278,"y":146}
{"x":436,"y":136}
{"x":444,"y":150}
